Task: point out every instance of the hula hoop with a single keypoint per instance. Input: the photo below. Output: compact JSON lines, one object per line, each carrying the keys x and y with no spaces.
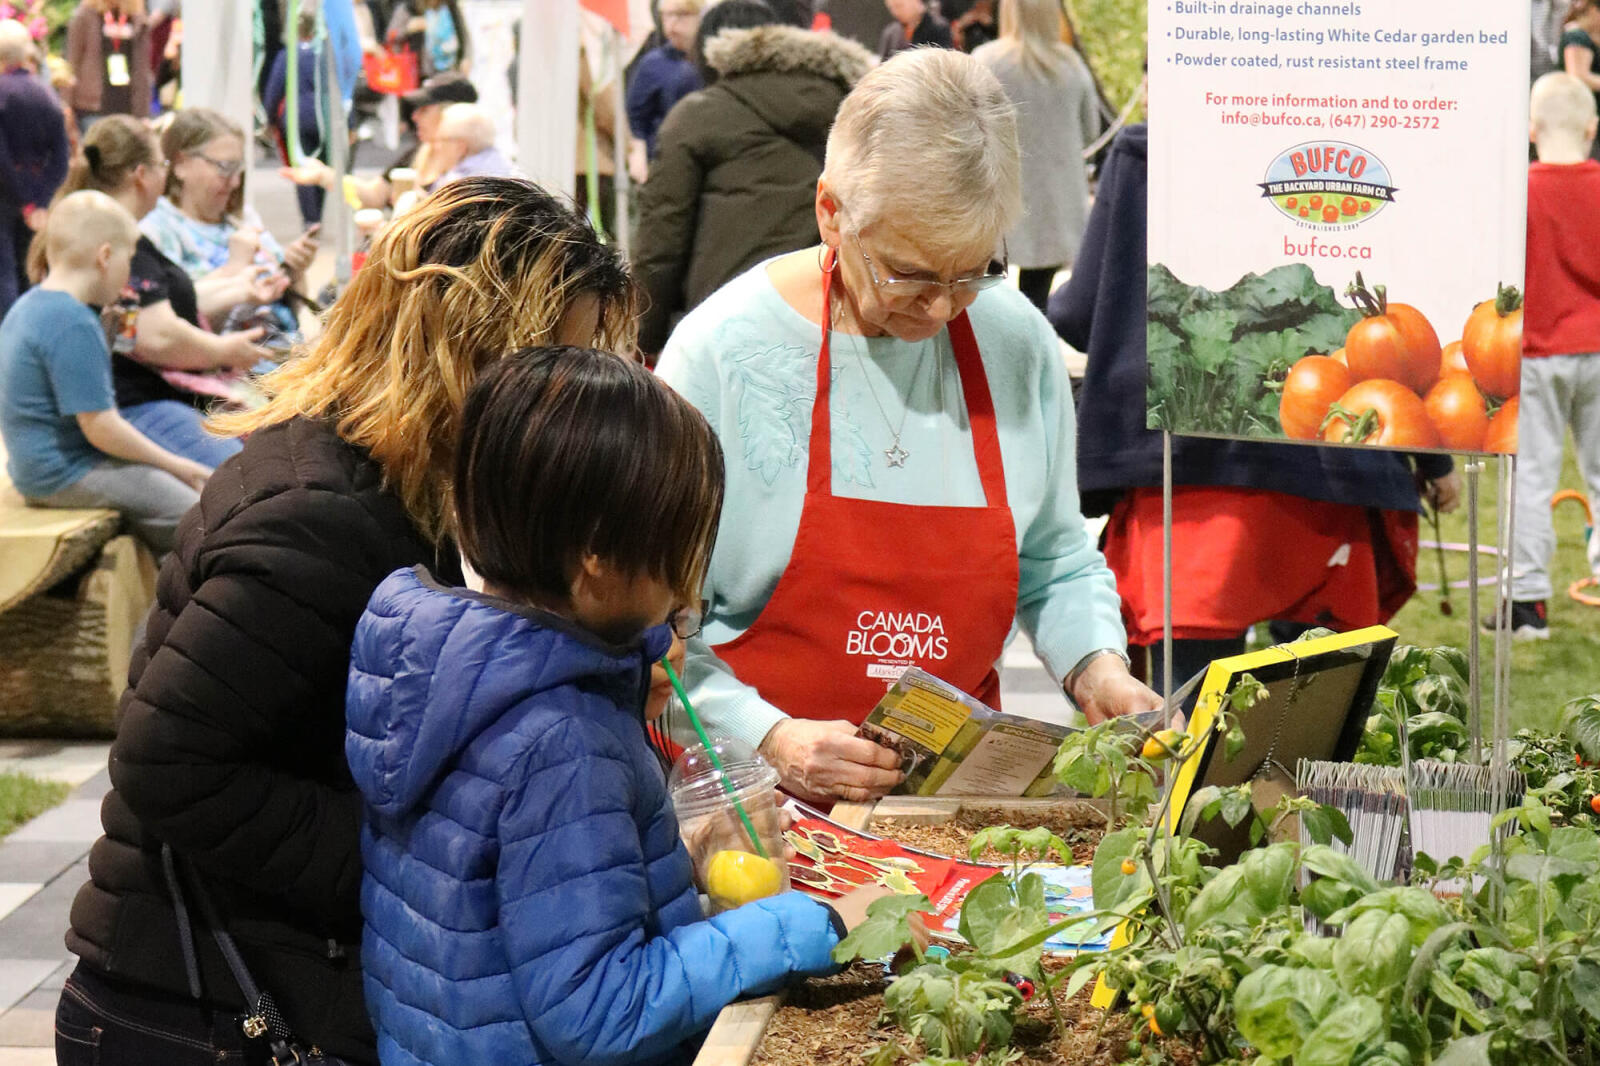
{"x":1576,"y":589}
{"x":1487,"y":581}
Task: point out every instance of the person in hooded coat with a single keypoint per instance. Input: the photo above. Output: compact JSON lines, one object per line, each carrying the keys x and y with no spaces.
{"x":737,"y":164}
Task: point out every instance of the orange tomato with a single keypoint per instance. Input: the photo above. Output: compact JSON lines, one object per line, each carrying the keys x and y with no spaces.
{"x":1385,"y":413}
{"x":1502,"y":435}
{"x":1491,"y":343}
{"x":1338,"y":356}
{"x":1451,"y":361}
{"x":1459,"y":412}
{"x":1311,"y":387}
{"x":1393,"y":341}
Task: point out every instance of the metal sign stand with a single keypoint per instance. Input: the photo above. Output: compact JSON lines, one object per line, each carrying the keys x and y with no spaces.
{"x":1166,"y":577}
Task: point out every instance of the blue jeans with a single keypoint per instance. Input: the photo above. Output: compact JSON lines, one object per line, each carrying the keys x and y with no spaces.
{"x":178,"y":428}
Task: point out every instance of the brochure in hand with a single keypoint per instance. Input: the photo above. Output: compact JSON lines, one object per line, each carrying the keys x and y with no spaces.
{"x":952,"y":745}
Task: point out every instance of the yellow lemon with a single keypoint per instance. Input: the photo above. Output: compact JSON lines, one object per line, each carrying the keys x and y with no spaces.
{"x":734,"y":878}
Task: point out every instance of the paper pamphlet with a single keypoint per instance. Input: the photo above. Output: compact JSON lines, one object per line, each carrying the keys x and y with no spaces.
{"x":952,"y":745}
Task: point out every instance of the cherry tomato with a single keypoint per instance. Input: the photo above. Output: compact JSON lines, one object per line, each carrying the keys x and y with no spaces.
{"x":1397,"y":419}
{"x":1594,"y":804}
{"x":1452,"y":361}
{"x":1502,"y":435}
{"x":1459,"y":412}
{"x":1316,"y":202}
{"x":1491,"y":342}
{"x":1310,"y":389}
{"x":1330,"y":214}
{"x":1394,"y":341}
{"x":1129,"y":867}
{"x":1348,"y":206}
{"x":1292,"y":202}
{"x":1366,"y":205}
{"x":1338,"y":356}
{"x":1305,"y":212}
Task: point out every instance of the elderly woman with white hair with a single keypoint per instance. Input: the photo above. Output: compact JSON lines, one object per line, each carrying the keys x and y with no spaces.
{"x":900,"y":440}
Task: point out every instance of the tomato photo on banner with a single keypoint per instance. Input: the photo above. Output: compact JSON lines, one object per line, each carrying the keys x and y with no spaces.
{"x":1325,"y":265}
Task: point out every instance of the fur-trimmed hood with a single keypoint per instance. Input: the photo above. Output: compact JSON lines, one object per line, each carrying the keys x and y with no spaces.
{"x":788,"y":50}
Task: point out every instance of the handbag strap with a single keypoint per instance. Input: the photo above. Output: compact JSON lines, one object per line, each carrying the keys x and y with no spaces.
{"x":264,"y":1019}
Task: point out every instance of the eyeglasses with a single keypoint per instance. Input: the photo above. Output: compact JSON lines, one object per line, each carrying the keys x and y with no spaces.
{"x":686,"y":621}
{"x":925,"y":288}
{"x":900,"y":287}
{"x":224,"y":170}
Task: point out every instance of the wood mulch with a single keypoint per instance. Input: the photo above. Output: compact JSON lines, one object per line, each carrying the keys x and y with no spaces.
{"x":1080,"y":827}
{"x":830,"y":1021}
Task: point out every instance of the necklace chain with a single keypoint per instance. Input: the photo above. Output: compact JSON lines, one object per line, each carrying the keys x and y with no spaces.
{"x":895,"y":453}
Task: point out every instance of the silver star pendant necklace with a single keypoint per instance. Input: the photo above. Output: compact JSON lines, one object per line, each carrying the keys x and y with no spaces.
{"x":895,"y":454}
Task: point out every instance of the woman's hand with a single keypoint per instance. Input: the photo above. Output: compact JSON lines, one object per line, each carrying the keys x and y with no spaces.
{"x":311,"y":171}
{"x":243,"y":245}
{"x":1105,"y":690}
{"x":301,"y":251}
{"x":239,"y":350}
{"x":820,"y":761}
{"x":268,"y":286}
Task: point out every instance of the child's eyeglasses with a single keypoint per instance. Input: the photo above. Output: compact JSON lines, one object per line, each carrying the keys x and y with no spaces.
{"x":686,"y":621}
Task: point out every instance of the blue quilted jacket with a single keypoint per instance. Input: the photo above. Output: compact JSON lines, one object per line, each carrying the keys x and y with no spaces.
{"x":526,"y":897}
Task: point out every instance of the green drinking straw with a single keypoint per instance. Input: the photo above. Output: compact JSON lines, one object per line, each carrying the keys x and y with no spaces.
{"x":727,"y":785}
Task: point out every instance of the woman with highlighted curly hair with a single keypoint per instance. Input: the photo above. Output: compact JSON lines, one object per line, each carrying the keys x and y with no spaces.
{"x":232,"y":800}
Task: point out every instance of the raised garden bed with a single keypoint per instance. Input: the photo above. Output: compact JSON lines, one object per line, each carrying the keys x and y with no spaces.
{"x":829,"y":1020}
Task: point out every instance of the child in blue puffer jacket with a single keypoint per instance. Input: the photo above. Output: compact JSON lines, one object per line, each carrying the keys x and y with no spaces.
{"x":526,"y":896}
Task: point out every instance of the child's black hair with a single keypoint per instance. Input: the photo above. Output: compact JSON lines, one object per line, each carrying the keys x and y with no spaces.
{"x":566,"y":452}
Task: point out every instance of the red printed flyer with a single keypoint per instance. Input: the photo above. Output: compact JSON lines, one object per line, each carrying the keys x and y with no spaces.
{"x":1337,"y":216}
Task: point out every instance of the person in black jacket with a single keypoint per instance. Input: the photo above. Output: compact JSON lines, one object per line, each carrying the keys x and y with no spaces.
{"x":737,"y":163}
{"x":1101,"y":311}
{"x":230,"y":738}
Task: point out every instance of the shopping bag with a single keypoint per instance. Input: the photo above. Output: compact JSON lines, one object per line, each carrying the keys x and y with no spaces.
{"x":391,"y":73}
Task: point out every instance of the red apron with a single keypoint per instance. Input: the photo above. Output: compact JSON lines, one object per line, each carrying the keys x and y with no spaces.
{"x":1242,"y":556}
{"x":873,"y":588}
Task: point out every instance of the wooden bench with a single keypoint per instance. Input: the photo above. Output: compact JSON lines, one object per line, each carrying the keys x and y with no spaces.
{"x":73,"y":590}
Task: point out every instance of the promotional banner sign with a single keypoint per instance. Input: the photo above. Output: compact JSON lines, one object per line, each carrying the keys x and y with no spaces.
{"x":1337,"y":217}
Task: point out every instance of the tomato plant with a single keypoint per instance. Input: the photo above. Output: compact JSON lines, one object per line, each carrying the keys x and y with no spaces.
{"x":1313,"y":384}
{"x":1491,"y":342}
{"x":1459,"y":412}
{"x":1502,"y":434}
{"x":1380,"y":412}
{"x":1392,"y":341}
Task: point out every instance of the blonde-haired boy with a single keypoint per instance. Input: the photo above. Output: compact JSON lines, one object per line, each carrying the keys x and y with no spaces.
{"x":66,"y":444}
{"x":1560,"y":336}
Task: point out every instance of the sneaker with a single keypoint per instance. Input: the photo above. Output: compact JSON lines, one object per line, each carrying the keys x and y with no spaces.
{"x":1529,"y":621}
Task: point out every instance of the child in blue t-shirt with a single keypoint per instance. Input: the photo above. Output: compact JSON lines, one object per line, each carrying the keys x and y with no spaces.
{"x":66,"y":445}
{"x":526,"y":897}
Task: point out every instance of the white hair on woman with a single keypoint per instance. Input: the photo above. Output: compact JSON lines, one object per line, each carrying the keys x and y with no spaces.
{"x":1031,"y":29}
{"x":929,"y":137}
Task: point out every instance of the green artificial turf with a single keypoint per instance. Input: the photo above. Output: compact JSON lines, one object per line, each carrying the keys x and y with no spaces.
{"x":23,"y":797}
{"x":1544,"y":674}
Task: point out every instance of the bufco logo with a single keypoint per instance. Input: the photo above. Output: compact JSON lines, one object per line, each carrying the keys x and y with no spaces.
{"x":898,"y":635}
{"x":1328,"y":184}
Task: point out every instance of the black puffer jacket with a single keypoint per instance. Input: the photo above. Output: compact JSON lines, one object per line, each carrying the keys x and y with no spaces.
{"x":735,"y":176}
{"x":230,"y":738}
